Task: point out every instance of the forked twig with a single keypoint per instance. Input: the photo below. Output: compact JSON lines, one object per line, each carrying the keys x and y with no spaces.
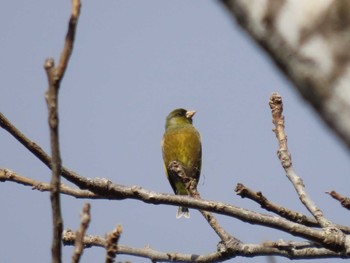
{"x":54,"y":76}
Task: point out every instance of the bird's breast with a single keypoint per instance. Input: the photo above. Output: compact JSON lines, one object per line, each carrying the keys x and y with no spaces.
{"x":183,"y":145}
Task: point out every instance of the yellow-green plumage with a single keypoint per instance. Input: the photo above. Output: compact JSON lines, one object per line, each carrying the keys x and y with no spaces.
{"x":181,"y":142}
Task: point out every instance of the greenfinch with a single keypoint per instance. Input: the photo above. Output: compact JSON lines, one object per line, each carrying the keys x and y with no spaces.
{"x":181,"y":143}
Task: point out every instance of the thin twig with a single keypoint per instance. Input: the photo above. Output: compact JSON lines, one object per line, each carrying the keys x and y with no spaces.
{"x":80,"y":234}
{"x":55,"y":76}
{"x":7,"y":175}
{"x":284,"y":155}
{"x":291,"y":215}
{"x":333,"y":233}
{"x":52,"y":104}
{"x":69,"y":41}
{"x":112,"y":244}
{"x":344,"y":201}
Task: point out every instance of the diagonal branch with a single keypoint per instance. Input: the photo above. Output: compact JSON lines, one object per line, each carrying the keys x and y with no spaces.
{"x":289,"y":214}
{"x":344,"y":201}
{"x":54,"y":77}
{"x":35,"y":149}
{"x":284,"y":155}
{"x":319,"y":76}
{"x":191,"y":184}
{"x":258,"y":197}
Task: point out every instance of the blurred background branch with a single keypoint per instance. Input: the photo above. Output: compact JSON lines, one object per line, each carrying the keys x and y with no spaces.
{"x":318,"y":76}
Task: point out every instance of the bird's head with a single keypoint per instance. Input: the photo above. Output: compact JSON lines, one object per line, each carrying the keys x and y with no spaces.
{"x":179,"y":117}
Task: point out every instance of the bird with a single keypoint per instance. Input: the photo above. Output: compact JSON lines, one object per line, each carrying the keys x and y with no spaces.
{"x":181,"y":143}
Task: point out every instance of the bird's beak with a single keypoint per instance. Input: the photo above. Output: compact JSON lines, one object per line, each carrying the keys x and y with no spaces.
{"x":190,"y":114}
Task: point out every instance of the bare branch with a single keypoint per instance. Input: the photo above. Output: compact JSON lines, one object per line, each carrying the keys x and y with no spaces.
{"x":80,"y":234}
{"x":291,"y":215}
{"x":258,"y":197}
{"x":326,"y":242}
{"x":284,"y":155}
{"x":55,"y":76}
{"x":7,"y":175}
{"x":291,"y":250}
{"x":34,"y":148}
{"x":106,"y":189}
{"x":112,"y":244}
{"x":118,"y":192}
{"x":52,"y":104}
{"x":69,"y":42}
{"x":319,"y":76}
{"x":344,"y":201}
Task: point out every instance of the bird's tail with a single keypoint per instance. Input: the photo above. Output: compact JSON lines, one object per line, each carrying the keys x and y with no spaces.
{"x":182,"y":212}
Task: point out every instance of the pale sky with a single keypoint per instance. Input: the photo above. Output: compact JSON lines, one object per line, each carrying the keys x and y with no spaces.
{"x":133,"y":62}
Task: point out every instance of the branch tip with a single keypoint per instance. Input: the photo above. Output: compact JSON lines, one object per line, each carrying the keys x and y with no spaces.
{"x":49,"y":63}
{"x":112,"y":244}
